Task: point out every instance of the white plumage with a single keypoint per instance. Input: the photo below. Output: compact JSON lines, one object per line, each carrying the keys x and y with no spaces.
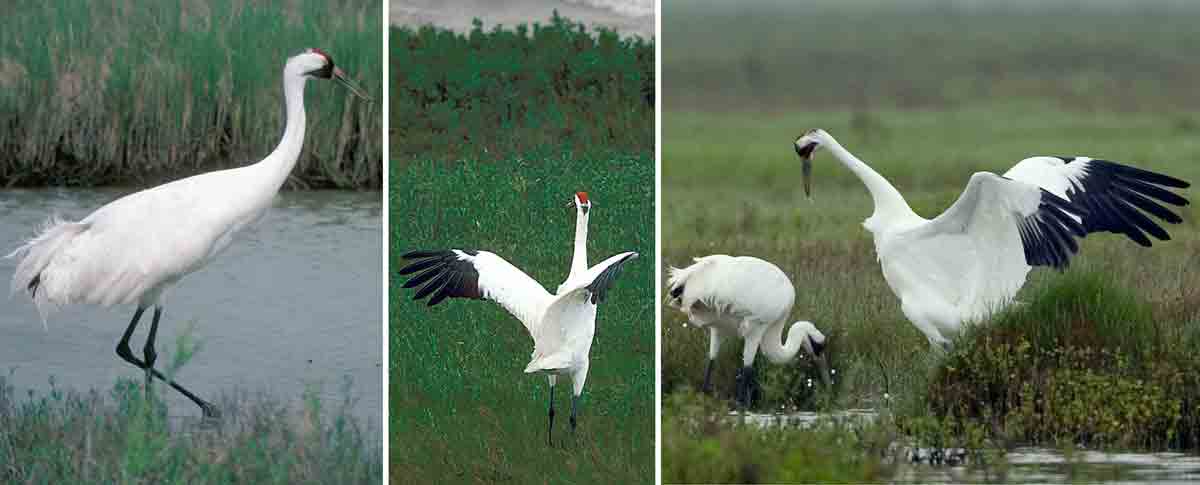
{"x":131,"y":250}
{"x":971,"y":260}
{"x":562,"y":324}
{"x":745,"y":297}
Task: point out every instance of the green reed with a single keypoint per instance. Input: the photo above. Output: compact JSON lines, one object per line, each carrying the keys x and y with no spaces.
{"x":100,"y":93}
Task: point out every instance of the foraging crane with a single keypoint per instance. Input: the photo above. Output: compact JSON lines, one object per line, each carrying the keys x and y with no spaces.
{"x":749,"y":298}
{"x":132,"y":250}
{"x":970,"y":261}
{"x":562,"y":325}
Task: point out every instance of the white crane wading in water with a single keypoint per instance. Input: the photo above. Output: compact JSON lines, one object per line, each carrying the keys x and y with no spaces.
{"x":562,"y":324}
{"x":969,"y":262}
{"x":131,"y":250}
{"x":746,"y":297}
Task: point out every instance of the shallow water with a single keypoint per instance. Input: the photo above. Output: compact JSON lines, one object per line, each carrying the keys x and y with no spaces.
{"x":1022,"y":465}
{"x":293,"y":303}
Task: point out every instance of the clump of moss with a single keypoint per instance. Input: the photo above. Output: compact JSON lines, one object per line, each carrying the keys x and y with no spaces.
{"x":1084,"y":362}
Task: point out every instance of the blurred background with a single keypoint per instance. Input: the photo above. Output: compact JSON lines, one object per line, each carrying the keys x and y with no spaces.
{"x":629,"y":17}
{"x":783,"y":56}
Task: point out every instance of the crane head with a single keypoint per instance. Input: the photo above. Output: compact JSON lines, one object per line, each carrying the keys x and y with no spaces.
{"x":814,"y":343}
{"x":580,"y":202}
{"x":319,"y":64}
{"x":806,"y":145}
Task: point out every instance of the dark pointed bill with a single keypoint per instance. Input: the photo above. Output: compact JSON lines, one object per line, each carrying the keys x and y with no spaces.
{"x":806,"y":153}
{"x":341,"y":77}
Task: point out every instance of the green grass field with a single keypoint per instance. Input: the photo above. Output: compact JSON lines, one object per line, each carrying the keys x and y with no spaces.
{"x":927,"y":95}
{"x":102,"y":93}
{"x":461,"y":410}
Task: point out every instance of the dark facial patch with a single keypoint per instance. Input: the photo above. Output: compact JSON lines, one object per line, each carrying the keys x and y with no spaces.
{"x":806,"y":150}
{"x":324,"y":72}
{"x":817,"y":348}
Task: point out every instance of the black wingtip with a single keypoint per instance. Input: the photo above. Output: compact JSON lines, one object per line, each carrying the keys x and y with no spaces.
{"x":34,"y":284}
{"x":599,"y":286}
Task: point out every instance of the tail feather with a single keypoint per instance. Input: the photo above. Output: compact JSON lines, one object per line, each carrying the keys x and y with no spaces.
{"x":677,"y":278}
{"x":548,"y":363}
{"x":36,"y":254}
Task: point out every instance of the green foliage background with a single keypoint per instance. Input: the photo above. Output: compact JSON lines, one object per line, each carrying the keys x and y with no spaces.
{"x":528,"y":91}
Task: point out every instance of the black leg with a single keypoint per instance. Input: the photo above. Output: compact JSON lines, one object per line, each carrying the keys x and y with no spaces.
{"x":125,"y":354}
{"x":746,"y":384}
{"x":148,"y":353}
{"x":550,"y":430}
{"x":123,"y":346}
{"x":707,"y":389}
{"x":739,"y":380}
{"x":573,"y":401}
{"x":751,"y":386}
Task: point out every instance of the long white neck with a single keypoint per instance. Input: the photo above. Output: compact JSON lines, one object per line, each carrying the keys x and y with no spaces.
{"x":889,"y":204}
{"x":278,"y":165}
{"x":579,"y":260}
{"x":774,"y":347}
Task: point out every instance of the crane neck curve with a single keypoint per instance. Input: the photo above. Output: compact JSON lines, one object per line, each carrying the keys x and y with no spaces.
{"x":776,"y":350}
{"x":579,"y":260}
{"x":889,"y":204}
{"x":279,"y":164}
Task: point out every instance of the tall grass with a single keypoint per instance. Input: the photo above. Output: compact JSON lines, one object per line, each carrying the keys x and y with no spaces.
{"x":460,"y":407}
{"x":100,"y":93}
{"x":120,"y":437}
{"x":528,"y":91}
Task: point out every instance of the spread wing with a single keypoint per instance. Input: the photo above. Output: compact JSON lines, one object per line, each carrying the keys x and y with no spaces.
{"x":978,"y":252}
{"x":1111,"y":196}
{"x":569,"y":314}
{"x":466,"y":273}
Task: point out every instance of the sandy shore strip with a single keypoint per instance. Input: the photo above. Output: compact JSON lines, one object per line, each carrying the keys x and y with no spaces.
{"x":627,"y":17}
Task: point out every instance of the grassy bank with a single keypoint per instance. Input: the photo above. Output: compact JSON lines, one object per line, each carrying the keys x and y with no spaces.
{"x":460,"y":407}
{"x":119,"y":437}
{"x":525,"y":91}
{"x":142,"y":92}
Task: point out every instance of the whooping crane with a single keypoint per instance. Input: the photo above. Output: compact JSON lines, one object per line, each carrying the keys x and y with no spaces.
{"x":970,"y":261}
{"x":749,"y":298}
{"x":562,"y":324}
{"x":131,"y":250}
